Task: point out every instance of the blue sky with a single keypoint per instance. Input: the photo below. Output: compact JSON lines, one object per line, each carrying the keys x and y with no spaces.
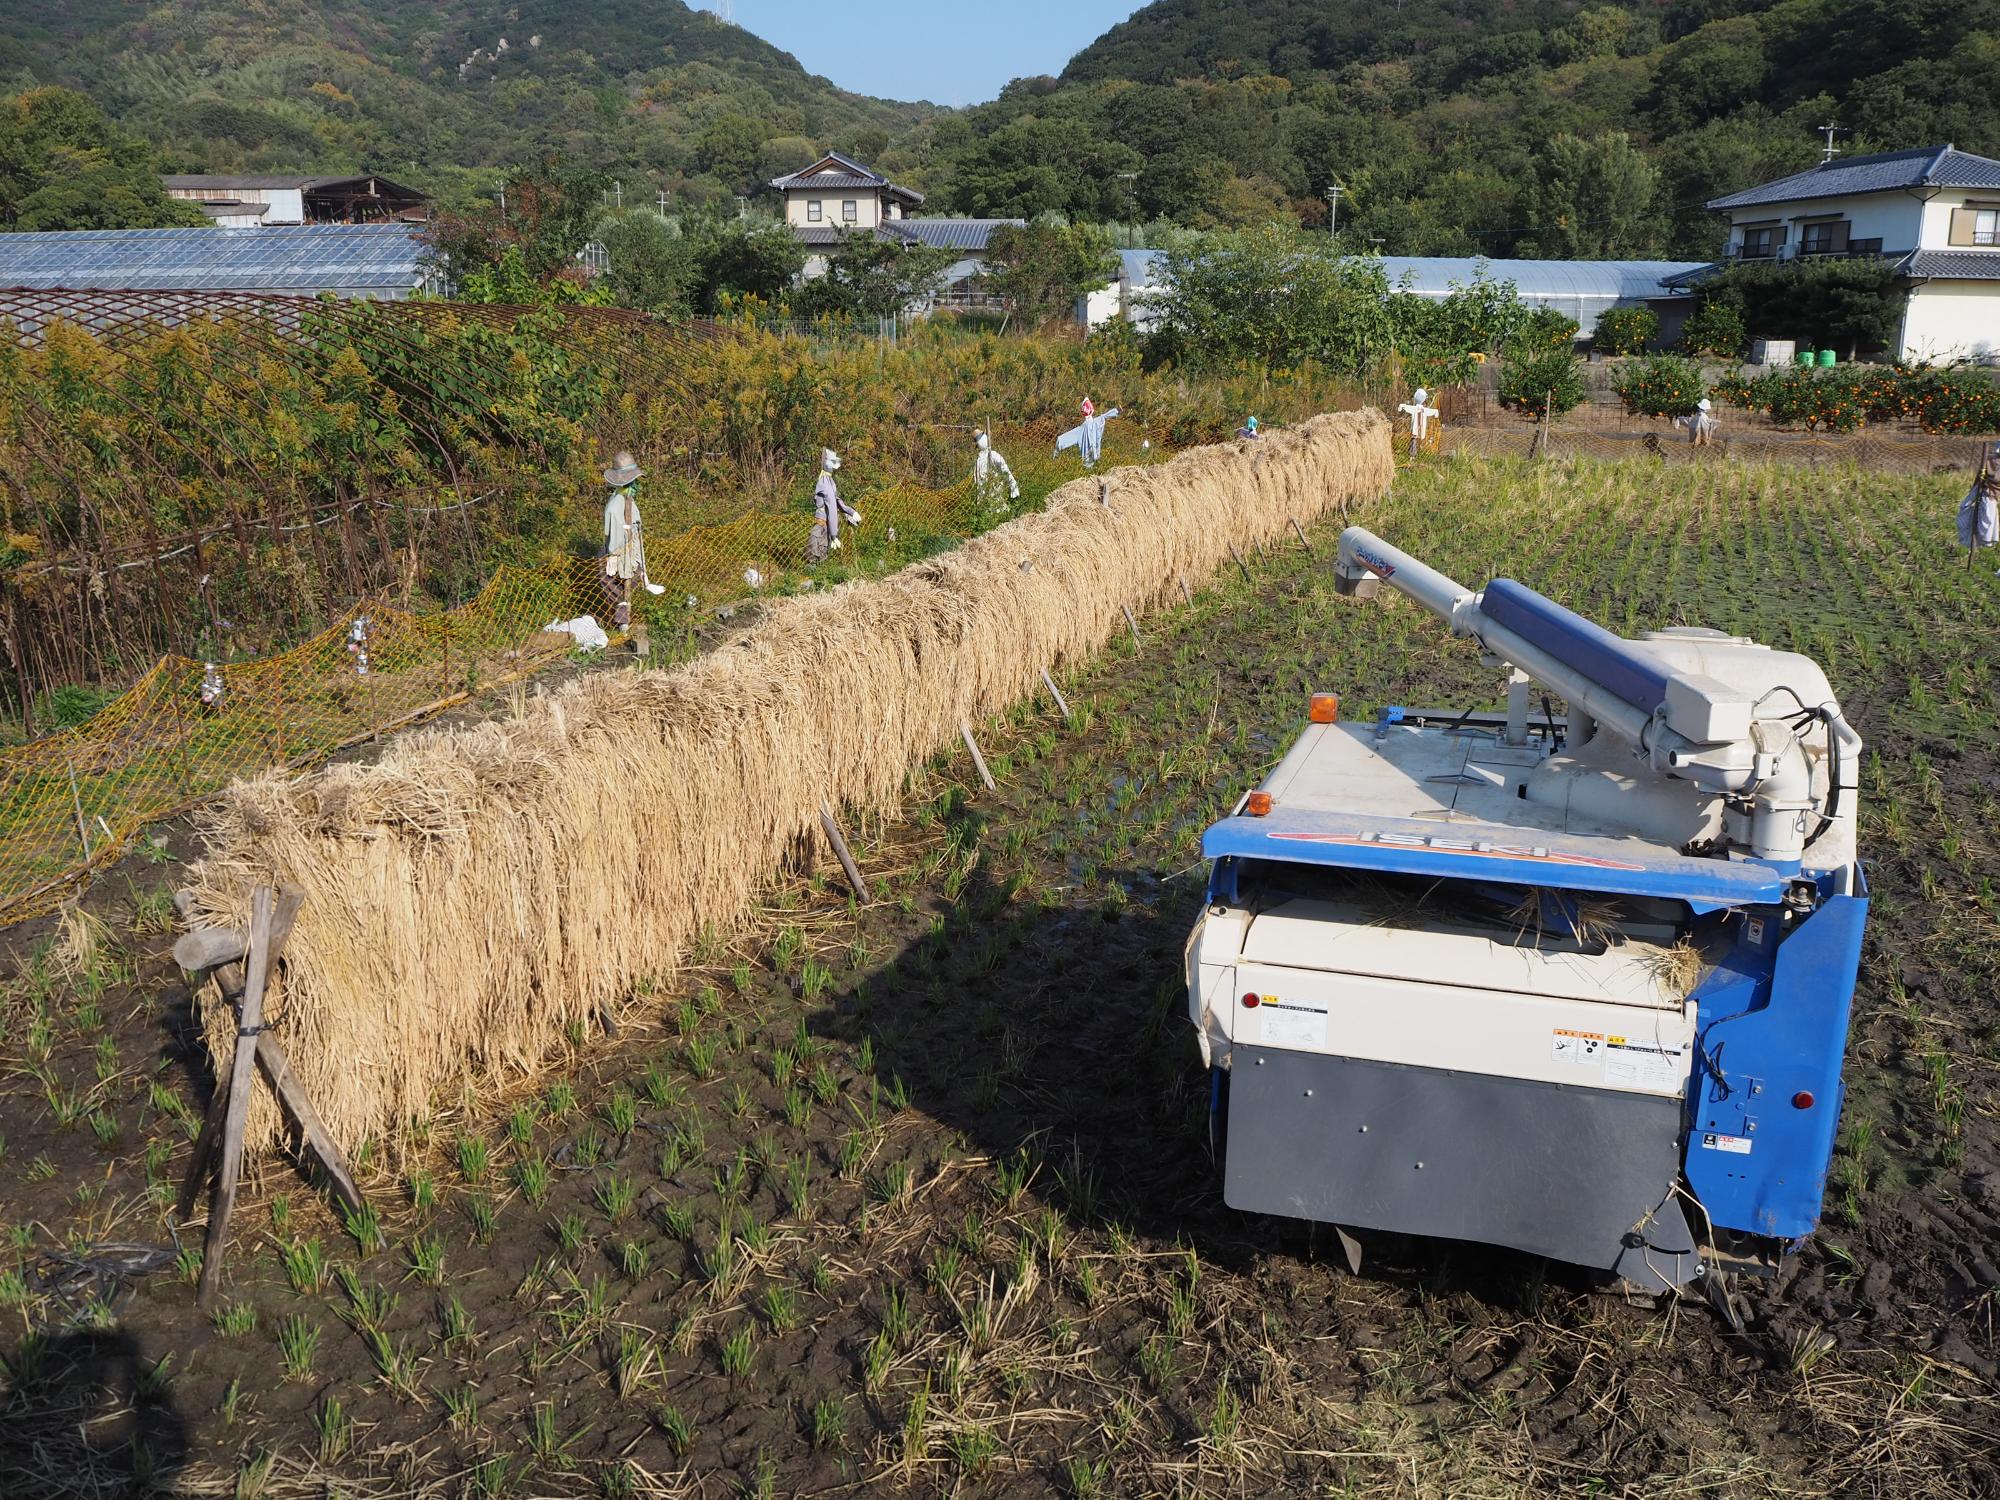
{"x":947,"y":51}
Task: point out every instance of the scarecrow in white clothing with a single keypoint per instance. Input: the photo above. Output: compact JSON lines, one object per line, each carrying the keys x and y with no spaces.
{"x":1979,"y":511}
{"x":1701,"y":426}
{"x":1421,"y":414}
{"x":829,"y":510}
{"x":624,"y":549}
{"x":989,"y":470}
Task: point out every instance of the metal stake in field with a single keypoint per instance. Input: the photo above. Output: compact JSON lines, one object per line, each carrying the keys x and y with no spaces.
{"x":243,"y":969}
{"x":1056,"y":693}
{"x":841,"y":851}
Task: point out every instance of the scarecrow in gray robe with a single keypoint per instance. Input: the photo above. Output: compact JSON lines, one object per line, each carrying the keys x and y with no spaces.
{"x":829,"y":510}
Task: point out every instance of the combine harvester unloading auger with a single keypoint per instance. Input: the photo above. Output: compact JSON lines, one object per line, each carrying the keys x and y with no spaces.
{"x":1576,"y":986}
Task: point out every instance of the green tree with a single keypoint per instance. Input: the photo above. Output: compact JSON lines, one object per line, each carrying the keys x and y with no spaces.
{"x":1625,"y":330}
{"x":64,"y":166}
{"x":1539,"y":381}
{"x":652,"y":264}
{"x":1271,"y":295}
{"x":875,"y":277}
{"x":545,"y":216}
{"x":1855,"y":306}
{"x":729,"y":150}
{"x":1041,"y":269}
{"x":1716,"y":327}
{"x":1593,"y":198}
{"x":740,"y":258}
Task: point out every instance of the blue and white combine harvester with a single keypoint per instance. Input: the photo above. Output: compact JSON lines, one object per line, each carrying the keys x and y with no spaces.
{"x":1574,"y":985}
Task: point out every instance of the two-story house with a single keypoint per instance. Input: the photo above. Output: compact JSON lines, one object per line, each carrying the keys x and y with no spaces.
{"x":1934,"y":212}
{"x":836,"y":196}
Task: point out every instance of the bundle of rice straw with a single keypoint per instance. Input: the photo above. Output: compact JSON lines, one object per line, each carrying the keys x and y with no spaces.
{"x":482,"y":889}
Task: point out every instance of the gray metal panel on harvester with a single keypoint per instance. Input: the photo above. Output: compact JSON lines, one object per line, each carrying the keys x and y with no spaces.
{"x":1553,"y":1170}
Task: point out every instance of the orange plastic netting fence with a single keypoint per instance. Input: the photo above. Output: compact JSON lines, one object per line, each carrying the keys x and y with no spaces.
{"x":72,"y":802}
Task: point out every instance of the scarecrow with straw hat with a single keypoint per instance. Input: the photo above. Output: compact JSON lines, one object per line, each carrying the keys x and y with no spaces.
{"x":624,"y":551}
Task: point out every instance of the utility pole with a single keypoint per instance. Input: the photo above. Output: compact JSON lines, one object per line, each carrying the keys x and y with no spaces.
{"x":1128,"y":178}
{"x":1333,"y":192}
{"x":661,"y":203}
{"x":618,"y":195}
{"x":1829,"y":131}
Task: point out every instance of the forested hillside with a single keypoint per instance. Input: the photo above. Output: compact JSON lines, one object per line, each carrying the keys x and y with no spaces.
{"x":1502,"y":127}
{"x":669,"y":95}
{"x":1469,"y":126}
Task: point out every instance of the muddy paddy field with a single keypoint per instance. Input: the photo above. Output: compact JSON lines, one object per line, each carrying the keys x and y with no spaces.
{"x":916,"y":1196}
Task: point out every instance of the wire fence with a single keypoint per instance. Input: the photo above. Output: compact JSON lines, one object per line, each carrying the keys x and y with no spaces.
{"x":72,"y":802}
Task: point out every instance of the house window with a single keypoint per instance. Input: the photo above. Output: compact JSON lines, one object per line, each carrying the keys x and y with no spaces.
{"x":1976,"y":224}
{"x":1760,"y":244}
{"x":1865,"y":247}
{"x":813,"y":211}
{"x":850,"y":210}
{"x":1827,"y":237}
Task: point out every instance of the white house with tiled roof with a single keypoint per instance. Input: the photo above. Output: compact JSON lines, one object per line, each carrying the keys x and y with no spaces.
{"x":836,"y":196}
{"x":1933,"y":211}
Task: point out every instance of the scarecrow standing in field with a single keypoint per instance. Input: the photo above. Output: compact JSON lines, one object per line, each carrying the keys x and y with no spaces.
{"x":989,"y":470}
{"x":1249,"y":430}
{"x":1088,"y":436}
{"x":1421,"y":414}
{"x":624,"y":551}
{"x":829,"y":510}
{"x":1701,"y":426}
{"x":1979,"y":511}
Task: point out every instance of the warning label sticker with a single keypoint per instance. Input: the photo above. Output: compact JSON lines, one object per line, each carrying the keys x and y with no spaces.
{"x":1629,"y":1063}
{"x":1583,"y":1048}
{"x":1287,"y":1023}
{"x":1737,"y":1144}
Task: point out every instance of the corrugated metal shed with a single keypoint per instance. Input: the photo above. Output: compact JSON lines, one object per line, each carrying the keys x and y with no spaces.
{"x":352,"y":260}
{"x":1579,"y":289}
{"x":1886,"y":171}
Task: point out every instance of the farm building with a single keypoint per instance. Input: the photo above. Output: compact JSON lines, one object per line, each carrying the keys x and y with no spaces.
{"x":270,"y":201}
{"x":1578,"y":289}
{"x":1933,"y":211}
{"x":835,"y":197}
{"x":380,"y":261}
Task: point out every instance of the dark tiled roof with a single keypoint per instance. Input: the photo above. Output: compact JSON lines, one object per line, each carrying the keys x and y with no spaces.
{"x":1952,"y":265}
{"x":936,"y":234}
{"x":949,"y":234}
{"x":831,"y":181}
{"x":363,"y":260}
{"x":1927,"y":166}
{"x":838,"y":173}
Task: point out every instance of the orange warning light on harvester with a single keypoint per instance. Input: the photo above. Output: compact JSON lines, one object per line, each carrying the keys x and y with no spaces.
{"x":1257,"y":804}
{"x":1324,"y":708}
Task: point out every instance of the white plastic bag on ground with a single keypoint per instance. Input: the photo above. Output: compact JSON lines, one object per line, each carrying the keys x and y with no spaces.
{"x":584,"y":630}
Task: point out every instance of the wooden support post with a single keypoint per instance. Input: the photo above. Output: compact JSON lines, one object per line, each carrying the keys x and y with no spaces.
{"x":1299,"y":532}
{"x":1186,"y":592}
{"x":1240,"y":562}
{"x":978,"y":760}
{"x":1132,"y":624}
{"x":842,"y":852}
{"x":243,"y":969}
{"x":250,"y":1023}
{"x":1056,"y":693}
